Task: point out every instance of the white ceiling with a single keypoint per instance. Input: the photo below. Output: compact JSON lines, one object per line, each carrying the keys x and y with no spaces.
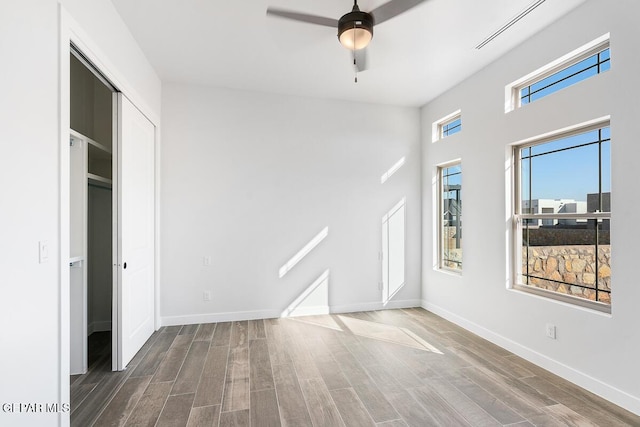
{"x":412,"y":58}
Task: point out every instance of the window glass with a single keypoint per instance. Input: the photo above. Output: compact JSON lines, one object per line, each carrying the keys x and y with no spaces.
{"x":451,"y":217}
{"x":452,"y":127}
{"x":564,"y":215}
{"x":595,"y":64}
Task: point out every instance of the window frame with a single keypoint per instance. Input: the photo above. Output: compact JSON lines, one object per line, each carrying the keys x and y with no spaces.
{"x":437,"y":128}
{"x":513,"y":100}
{"x":445,"y":131}
{"x":440,"y":217}
{"x":519,"y":218}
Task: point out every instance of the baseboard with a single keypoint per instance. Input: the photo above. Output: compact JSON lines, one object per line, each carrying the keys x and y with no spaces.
{"x":270,"y":314}
{"x":604,"y":390}
{"x":99,"y":326}
{"x":373,"y":306}
{"x":233,"y":316}
{"x":306,"y":311}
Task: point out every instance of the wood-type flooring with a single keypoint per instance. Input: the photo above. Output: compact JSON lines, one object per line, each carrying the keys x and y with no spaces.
{"x":391,"y":368}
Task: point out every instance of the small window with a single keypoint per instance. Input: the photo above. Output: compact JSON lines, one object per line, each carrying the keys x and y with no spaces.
{"x":586,"y":61}
{"x":584,"y":69}
{"x":447,"y":126}
{"x":450,"y":217}
{"x":563,"y":216}
{"x":454,"y":126}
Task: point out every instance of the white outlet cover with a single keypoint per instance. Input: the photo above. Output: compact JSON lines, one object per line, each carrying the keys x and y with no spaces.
{"x":551,"y":331}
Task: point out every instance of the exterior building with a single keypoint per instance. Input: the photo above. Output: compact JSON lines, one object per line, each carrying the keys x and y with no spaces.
{"x":554,"y":206}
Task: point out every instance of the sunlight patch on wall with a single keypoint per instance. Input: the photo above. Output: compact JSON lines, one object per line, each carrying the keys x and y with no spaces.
{"x":393,"y":251}
{"x":392,"y":170}
{"x":313,"y":300}
{"x":303,"y":252}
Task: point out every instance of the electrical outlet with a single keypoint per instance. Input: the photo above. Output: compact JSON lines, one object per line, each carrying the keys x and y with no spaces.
{"x":551,"y":331}
{"x":206,"y":295}
{"x":206,"y":261}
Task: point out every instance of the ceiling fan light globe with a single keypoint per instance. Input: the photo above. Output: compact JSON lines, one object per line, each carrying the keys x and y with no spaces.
{"x":355,"y":29}
{"x":355,"y":38}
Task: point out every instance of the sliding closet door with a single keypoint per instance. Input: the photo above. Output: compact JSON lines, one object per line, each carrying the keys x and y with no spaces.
{"x":134,"y":310}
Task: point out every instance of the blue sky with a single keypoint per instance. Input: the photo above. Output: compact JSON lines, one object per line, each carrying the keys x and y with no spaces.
{"x":568,"y":174}
{"x":571,"y":75}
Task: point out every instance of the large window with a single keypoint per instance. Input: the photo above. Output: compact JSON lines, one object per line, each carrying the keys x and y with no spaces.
{"x":450,"y":223}
{"x":563,"y":216}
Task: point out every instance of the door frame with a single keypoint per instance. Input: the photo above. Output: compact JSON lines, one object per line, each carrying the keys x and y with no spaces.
{"x":71,"y":32}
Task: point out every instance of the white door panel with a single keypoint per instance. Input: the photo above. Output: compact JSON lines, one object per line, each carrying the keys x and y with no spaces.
{"x":136,"y":185}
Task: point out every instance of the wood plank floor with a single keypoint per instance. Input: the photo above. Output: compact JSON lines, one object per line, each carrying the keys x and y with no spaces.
{"x":384,"y":368}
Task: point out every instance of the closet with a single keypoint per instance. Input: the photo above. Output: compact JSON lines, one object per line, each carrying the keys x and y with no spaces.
{"x":112,"y":209}
{"x":92,"y":135}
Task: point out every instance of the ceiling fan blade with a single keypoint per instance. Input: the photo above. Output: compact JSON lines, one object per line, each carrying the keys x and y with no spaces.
{"x":303,"y":17}
{"x":392,"y":9}
{"x":360,"y":60}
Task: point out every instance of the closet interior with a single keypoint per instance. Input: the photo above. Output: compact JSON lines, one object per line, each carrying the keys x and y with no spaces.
{"x":92,"y":133}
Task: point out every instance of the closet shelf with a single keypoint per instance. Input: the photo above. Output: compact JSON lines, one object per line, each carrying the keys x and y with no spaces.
{"x":96,"y":144}
{"x":99,"y":180}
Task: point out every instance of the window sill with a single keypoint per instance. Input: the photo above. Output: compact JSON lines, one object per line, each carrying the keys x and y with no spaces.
{"x":592,"y":306}
{"x":449,"y":271}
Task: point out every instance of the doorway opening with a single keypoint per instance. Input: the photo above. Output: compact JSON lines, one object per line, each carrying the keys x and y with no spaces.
{"x":93,"y":133}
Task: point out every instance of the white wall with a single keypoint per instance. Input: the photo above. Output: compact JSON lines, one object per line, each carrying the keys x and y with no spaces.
{"x":249,"y":179}
{"x":30,"y":361}
{"x":29,"y":212}
{"x":597,"y":351}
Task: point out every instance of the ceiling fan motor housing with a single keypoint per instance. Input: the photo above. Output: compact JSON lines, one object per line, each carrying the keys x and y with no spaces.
{"x":355,"y":29}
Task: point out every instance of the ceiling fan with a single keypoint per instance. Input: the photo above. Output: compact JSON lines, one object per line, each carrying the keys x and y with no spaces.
{"x":355,"y":28}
